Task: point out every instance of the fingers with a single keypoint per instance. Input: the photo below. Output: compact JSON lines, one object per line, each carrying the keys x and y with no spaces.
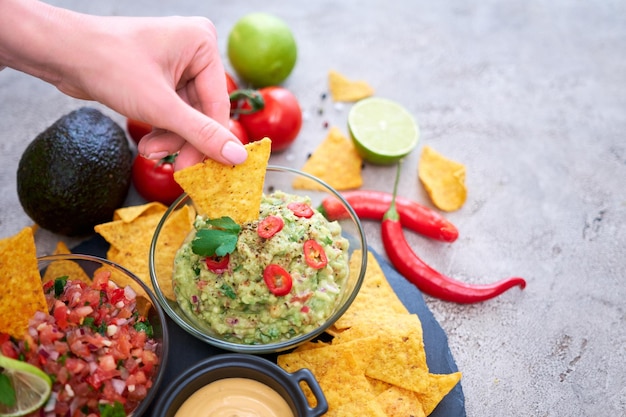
{"x":194,"y":133}
{"x":193,"y":113}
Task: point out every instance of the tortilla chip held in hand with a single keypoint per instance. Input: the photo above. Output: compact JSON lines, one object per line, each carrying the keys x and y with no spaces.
{"x":219,"y":190}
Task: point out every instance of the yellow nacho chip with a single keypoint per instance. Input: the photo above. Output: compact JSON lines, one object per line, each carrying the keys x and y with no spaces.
{"x":391,"y":324}
{"x":400,"y":360}
{"x":398,"y":402}
{"x":439,"y":386}
{"x":130,"y":213}
{"x":235,"y":191}
{"x":337,"y":372}
{"x":21,"y":290}
{"x":344,"y":89}
{"x":443,"y":179}
{"x":335,"y":161}
{"x":380,"y":340}
{"x":133,"y":253}
{"x":67,"y":268}
{"x":376,"y":298}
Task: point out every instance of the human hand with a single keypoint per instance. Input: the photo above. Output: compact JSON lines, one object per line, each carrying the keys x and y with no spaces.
{"x":168,"y":73}
{"x":165,"y":71}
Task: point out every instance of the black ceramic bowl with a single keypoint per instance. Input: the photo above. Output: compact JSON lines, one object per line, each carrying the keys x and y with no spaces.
{"x":239,"y":365}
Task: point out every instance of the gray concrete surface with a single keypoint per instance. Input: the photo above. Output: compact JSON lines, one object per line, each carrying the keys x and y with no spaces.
{"x":531,"y":97}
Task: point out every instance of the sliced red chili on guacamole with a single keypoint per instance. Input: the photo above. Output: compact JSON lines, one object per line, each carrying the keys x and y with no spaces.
{"x":269,"y":226}
{"x":217,"y":264}
{"x":300,"y":209}
{"x":314,"y":254}
{"x":277,"y":279}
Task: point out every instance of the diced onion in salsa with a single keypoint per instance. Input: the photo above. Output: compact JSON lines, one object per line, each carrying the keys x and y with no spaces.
{"x":95,"y":345}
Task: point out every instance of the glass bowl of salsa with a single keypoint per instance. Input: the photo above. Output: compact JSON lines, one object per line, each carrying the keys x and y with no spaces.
{"x":290,"y":277}
{"x":104,"y":341}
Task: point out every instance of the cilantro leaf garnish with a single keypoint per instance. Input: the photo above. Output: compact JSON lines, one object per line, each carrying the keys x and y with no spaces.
{"x":115,"y":410}
{"x":219,"y":240}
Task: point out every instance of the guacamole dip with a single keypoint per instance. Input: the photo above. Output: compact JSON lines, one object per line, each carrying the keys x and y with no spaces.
{"x":283,"y":279}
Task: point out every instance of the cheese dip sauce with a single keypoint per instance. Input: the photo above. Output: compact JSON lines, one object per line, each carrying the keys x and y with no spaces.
{"x":235,"y":397}
{"x":236,"y":302}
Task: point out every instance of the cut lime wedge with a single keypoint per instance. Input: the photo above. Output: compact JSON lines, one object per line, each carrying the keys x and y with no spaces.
{"x":31,"y":386}
{"x":382,"y":130}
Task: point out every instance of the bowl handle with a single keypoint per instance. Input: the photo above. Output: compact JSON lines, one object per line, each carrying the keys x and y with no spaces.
{"x":307,"y":376}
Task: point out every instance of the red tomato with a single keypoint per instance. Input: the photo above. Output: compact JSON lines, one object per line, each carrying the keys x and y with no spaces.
{"x":269,"y":226}
{"x":231,"y":84}
{"x":278,"y":280}
{"x":300,"y":209}
{"x":154,"y":179}
{"x":237,"y":129}
{"x":280,"y":119}
{"x":314,"y":254}
{"x":217,"y":264}
{"x":137,"y":129}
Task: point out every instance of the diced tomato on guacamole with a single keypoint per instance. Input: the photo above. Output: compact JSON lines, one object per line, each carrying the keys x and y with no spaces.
{"x":94,"y":344}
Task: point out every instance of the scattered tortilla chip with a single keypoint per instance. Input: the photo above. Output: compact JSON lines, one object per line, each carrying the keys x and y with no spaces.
{"x":400,"y":361}
{"x":67,"y":268}
{"x":380,"y":342}
{"x":130,"y":213}
{"x":392,"y":324}
{"x":443,"y":179}
{"x":439,"y":386}
{"x":311,"y":345}
{"x":61,"y":249}
{"x":343,"y":89}
{"x":335,"y":161}
{"x":235,"y":191}
{"x":337,"y":372}
{"x":133,"y":253}
{"x":399,"y":402}
{"x":369,"y":407}
{"x":376,"y":298}
{"x":21,"y":290}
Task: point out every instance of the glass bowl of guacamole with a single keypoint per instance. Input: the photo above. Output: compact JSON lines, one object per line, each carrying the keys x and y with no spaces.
{"x":285,"y":280}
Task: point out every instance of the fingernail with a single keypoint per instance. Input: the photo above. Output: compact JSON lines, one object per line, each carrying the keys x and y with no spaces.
{"x":157,"y":155}
{"x":234,"y":152}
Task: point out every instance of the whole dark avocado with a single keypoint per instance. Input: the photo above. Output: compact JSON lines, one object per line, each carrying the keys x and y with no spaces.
{"x":75,"y":173}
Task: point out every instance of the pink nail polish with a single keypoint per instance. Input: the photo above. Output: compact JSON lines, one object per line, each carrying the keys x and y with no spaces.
{"x":234,"y":152}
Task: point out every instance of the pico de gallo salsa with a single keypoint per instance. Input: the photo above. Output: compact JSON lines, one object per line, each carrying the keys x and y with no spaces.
{"x":95,"y":345}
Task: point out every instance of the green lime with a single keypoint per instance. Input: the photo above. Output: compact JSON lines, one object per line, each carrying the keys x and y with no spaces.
{"x":383,"y":131}
{"x":262,"y":50}
{"x":30,"y":384}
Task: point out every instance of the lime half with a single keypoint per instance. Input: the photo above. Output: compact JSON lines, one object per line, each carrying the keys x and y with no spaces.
{"x":382,"y":130}
{"x":30,"y":384}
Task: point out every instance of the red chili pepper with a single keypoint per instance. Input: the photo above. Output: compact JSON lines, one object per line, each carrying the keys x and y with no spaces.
{"x":269,"y":226}
{"x":300,"y":209}
{"x":217,"y":264}
{"x":314,"y":254}
{"x":426,"y":278}
{"x":278,"y":281}
{"x":372,"y":205}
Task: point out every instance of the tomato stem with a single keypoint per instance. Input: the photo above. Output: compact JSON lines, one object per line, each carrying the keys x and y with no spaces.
{"x":253,"y":98}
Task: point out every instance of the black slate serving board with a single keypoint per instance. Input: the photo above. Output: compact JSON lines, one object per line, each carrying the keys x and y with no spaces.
{"x":185,"y":350}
